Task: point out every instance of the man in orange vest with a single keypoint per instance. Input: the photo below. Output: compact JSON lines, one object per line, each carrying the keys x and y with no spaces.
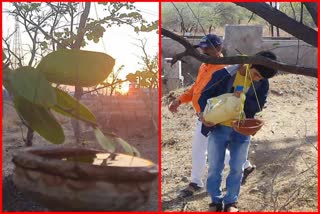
{"x":210,"y":45}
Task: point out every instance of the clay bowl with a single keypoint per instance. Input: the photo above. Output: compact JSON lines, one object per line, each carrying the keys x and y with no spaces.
{"x":248,"y":126}
{"x":79,"y":179}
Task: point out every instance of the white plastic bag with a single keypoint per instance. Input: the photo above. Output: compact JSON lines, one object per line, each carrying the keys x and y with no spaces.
{"x":222,"y":108}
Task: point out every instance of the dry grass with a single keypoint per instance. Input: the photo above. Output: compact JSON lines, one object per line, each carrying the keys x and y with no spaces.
{"x":283,"y":150}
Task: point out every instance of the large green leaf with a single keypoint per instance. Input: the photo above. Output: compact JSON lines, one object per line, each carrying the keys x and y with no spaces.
{"x":70,"y":107}
{"x":106,"y":143}
{"x":126,"y":146}
{"x":76,"y":67}
{"x":33,"y":86}
{"x":113,"y":139}
{"x":40,"y":119}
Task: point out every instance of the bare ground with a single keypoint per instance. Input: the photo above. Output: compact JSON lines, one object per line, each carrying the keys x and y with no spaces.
{"x":284,"y":150}
{"x":14,"y":200}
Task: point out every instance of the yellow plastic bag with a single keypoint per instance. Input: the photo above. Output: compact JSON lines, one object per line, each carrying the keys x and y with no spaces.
{"x":222,"y":108}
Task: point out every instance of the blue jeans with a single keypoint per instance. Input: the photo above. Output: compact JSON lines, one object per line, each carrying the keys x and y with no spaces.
{"x":219,"y":139}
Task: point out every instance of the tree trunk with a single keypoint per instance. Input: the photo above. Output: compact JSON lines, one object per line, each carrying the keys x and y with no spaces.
{"x":75,"y":123}
{"x":281,"y":20}
{"x":29,"y":137}
{"x":111,"y":90}
{"x":77,"y":44}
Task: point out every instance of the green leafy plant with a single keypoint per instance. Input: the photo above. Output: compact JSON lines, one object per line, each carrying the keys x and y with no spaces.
{"x":35,"y":98}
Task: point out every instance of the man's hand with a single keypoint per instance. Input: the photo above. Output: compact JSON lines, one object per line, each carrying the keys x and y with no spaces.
{"x":173,"y":106}
{"x":208,"y":124}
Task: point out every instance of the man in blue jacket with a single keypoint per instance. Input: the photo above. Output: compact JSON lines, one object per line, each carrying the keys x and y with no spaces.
{"x":222,"y":136}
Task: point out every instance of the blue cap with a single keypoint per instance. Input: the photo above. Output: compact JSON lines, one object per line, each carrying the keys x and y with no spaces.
{"x":210,"y":40}
{"x":239,"y":88}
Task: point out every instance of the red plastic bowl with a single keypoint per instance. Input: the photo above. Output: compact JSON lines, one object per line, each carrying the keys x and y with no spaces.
{"x":248,"y":126}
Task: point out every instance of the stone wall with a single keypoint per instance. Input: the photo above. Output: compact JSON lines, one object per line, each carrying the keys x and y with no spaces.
{"x":134,"y":116}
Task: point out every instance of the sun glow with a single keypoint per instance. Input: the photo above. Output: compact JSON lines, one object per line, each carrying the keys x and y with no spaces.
{"x":124,"y":88}
{"x":120,"y":42}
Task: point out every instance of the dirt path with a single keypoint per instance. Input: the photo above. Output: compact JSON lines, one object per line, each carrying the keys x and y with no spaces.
{"x":14,"y":200}
{"x":283,"y":150}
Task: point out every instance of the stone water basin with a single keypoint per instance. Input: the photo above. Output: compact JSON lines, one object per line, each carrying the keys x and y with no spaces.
{"x":81,"y":179}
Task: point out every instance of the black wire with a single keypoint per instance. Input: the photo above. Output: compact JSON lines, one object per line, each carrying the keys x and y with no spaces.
{"x":204,"y":32}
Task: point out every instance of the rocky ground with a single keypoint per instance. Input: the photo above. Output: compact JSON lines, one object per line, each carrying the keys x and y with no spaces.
{"x":285,"y":151}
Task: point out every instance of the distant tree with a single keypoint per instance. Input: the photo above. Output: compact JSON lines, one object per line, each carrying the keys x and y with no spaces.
{"x":286,"y":23}
{"x":274,"y":17}
{"x":149,"y":66}
{"x":113,"y":80}
{"x":147,"y":77}
{"x":217,"y":15}
{"x":210,"y":15}
{"x":293,"y":10}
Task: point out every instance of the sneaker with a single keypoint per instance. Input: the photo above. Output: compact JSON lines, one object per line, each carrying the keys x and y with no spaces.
{"x":247,"y":171}
{"x":231,"y":208}
{"x":215,"y":207}
{"x":189,"y":190}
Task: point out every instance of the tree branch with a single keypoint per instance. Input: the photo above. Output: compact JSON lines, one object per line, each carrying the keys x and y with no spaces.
{"x":55,"y":22}
{"x":81,"y":29}
{"x":281,"y":20}
{"x":23,"y":16}
{"x":47,"y":35}
{"x":191,"y":51}
{"x":11,"y":52}
{"x":293,"y":11}
{"x":204,"y":32}
{"x":105,"y":86}
{"x":181,"y":18}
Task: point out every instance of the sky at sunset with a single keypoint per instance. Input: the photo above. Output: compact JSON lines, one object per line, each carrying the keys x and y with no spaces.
{"x":119,"y":42}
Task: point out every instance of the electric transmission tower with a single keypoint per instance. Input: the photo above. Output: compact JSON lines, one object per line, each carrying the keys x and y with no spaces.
{"x":17,"y":46}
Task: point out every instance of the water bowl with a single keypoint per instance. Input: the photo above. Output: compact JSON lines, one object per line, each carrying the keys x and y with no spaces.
{"x":247,"y":126}
{"x":81,"y":179}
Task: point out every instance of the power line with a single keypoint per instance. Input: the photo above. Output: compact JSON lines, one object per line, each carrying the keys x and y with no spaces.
{"x":204,"y":32}
{"x":149,"y":13}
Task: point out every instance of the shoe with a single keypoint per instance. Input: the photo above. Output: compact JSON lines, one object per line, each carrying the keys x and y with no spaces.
{"x":231,"y":208}
{"x":189,"y":190}
{"x":213,"y":207}
{"x":247,"y":171}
